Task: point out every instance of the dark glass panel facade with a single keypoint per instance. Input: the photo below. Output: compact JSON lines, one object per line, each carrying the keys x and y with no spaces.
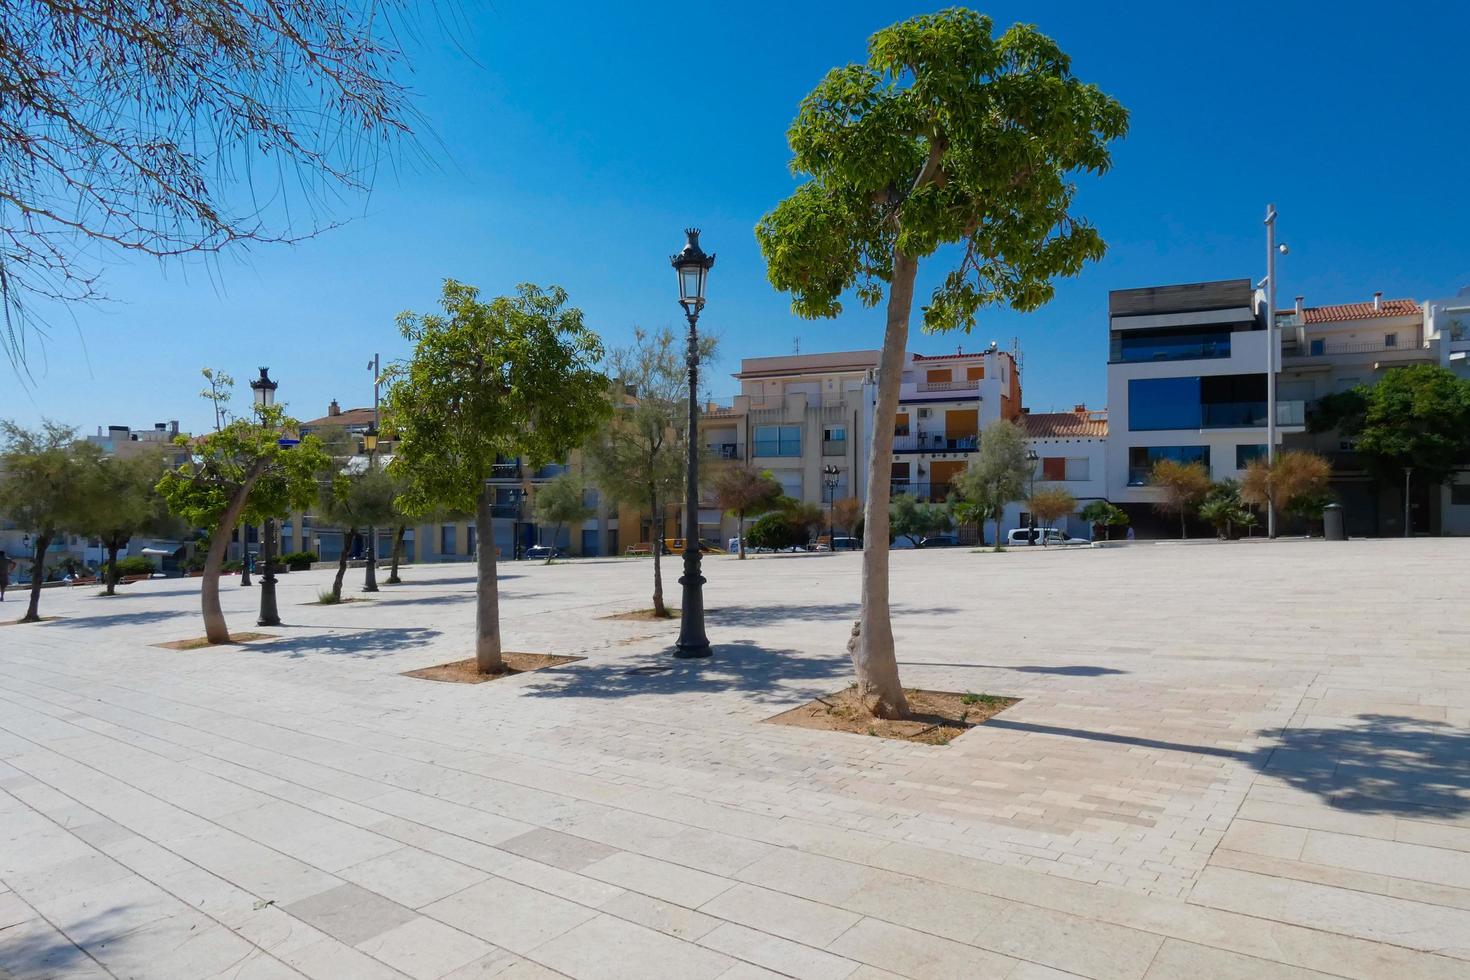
{"x":1172,"y":344}
{"x":1141,"y":459}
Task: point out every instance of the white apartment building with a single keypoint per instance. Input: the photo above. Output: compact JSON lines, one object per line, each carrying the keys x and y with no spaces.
{"x":1187,"y":381}
{"x":1071,"y":453}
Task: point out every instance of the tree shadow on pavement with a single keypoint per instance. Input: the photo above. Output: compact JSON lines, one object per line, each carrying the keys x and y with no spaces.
{"x":743,"y":667}
{"x":140,"y":618}
{"x":1381,"y":764}
{"x":1075,"y":670}
{"x":364,"y":643}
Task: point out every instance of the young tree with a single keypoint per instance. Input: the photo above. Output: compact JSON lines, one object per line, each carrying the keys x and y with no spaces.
{"x":947,"y":135}
{"x":997,"y":474}
{"x":639,"y":456}
{"x":1225,"y":510}
{"x":910,"y":519}
{"x":562,"y":502}
{"x":1181,"y":487}
{"x":132,"y":126}
{"x":847,"y":513}
{"x":40,"y":491}
{"x":239,"y":471}
{"x":1294,"y":477}
{"x":742,"y":490}
{"x":1101,"y":513}
{"x":1416,"y":425}
{"x":1049,"y":504}
{"x":353,"y":498}
{"x":516,"y":376}
{"x":119,"y":499}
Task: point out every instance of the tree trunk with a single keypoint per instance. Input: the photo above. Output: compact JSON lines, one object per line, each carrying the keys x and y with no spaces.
{"x":487,"y":591}
{"x":555,"y":537}
{"x":1183,"y":527}
{"x":997,"y":530}
{"x":398,"y":533}
{"x":659,"y":609}
{"x":215,"y":629}
{"x":38,"y":576}
{"x":348,"y":537}
{"x":873,"y":658}
{"x":112,"y":550}
{"x":740,"y":541}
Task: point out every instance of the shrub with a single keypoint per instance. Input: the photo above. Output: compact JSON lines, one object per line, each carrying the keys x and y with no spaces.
{"x":328,"y":598}
{"x":300,"y":561}
{"x":233,"y":565}
{"x":774,"y":531}
{"x":135,"y":565}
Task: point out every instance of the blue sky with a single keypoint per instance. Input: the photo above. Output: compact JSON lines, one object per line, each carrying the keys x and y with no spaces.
{"x":571,"y":143}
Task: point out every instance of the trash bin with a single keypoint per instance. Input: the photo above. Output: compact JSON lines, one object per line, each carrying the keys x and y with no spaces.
{"x":1332,"y":526}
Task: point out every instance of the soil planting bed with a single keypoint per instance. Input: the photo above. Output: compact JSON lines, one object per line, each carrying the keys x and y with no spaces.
{"x":936,"y":717}
{"x":200,"y":642}
{"x":43,"y":619}
{"x":647,"y":615}
{"x":465,"y":672}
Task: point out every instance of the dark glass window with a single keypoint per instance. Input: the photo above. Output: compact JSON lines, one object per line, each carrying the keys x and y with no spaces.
{"x":1163,"y":403}
{"x":1141,"y":459}
{"x":1246,"y":452}
{"x":1171,"y":344}
{"x":1233,"y":400}
{"x":778,"y":440}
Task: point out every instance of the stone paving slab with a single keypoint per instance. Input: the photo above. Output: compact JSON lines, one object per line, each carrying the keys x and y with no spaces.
{"x":1242,"y":760}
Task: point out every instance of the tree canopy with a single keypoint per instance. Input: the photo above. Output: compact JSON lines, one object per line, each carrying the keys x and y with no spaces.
{"x":40,"y":490}
{"x":1416,"y":416}
{"x":515,"y":376}
{"x":560,"y":503}
{"x":119,"y":499}
{"x":916,"y":521}
{"x":1181,"y":486}
{"x":741,"y":491}
{"x":997,"y":474}
{"x":947,"y":135}
{"x":174,"y":129}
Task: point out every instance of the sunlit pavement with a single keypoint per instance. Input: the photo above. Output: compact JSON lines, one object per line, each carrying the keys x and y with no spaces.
{"x":1243,"y":760}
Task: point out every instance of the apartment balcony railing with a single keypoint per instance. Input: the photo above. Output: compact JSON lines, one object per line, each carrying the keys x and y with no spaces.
{"x":948,"y":386}
{"x":505,"y":471}
{"x":726,"y":450}
{"x":934,"y":442}
{"x":1327,"y":348}
{"x":922,"y":490}
{"x":834,"y":447}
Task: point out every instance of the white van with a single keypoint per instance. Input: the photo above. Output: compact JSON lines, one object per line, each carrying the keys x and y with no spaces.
{"x":1044,"y":536}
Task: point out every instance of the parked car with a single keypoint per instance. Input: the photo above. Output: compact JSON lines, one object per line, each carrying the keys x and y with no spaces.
{"x":940,"y":541}
{"x":839,"y":543}
{"x":1044,"y":536}
{"x":543,"y":551}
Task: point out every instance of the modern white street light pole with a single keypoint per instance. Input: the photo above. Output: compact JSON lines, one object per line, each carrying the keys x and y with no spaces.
{"x":1273,"y":347}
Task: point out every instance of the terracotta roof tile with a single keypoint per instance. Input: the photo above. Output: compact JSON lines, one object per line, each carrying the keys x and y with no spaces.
{"x":1357,"y":311}
{"x":347,"y":417}
{"x":952,"y":357}
{"x":1090,"y":424}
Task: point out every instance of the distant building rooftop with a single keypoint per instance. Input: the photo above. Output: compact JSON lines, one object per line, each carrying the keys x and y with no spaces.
{"x":1339,"y":312}
{"x":1080,"y":423}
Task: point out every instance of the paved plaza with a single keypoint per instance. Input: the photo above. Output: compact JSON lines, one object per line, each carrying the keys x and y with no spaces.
{"x":1238,"y":761}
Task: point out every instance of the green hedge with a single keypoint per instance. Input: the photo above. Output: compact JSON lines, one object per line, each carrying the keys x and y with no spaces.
{"x":300,"y":561}
{"x":135,"y":565}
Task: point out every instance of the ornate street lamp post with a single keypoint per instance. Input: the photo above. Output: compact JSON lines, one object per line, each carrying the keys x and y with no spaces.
{"x":265,"y":396}
{"x":692,"y":266}
{"x":1031,"y":457}
{"x":370,"y":575}
{"x":829,"y":480}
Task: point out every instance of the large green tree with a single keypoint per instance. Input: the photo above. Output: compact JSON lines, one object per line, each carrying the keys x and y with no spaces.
{"x":907,"y":518}
{"x":947,"y":135}
{"x":245,"y":469}
{"x":40,"y":491}
{"x":1416,"y":417}
{"x":516,"y":376}
{"x":120,"y":499}
{"x":997,"y":474}
{"x":640,"y":455}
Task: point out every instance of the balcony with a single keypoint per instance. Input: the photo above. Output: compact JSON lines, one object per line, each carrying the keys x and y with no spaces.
{"x":726,"y":450}
{"x":505,"y":471}
{"x":934,"y":442}
{"x":834,"y":447}
{"x":927,"y":386}
{"x":921,"y":490}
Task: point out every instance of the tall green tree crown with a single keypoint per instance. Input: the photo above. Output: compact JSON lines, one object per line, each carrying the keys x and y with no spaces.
{"x":516,"y":376}
{"x":947,"y":134}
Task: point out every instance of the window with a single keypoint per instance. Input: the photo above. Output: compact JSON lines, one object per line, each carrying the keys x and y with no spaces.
{"x":1390,"y":340}
{"x":589,"y":544}
{"x":1163,"y":403}
{"x":1460,"y":494}
{"x":1171,"y":344}
{"x":589,"y":498}
{"x":790,"y":481}
{"x":939,"y":376}
{"x":1142,"y":458}
{"x":778,"y":440}
{"x":1053,"y":468}
{"x":901,"y":424}
{"x":1246,"y":452}
{"x":1318,"y":348}
{"x":976,"y":373}
{"x":446,"y":539}
{"x":834,"y":440}
{"x":1078,"y":468}
{"x":471,"y":539}
{"x":1224,"y":401}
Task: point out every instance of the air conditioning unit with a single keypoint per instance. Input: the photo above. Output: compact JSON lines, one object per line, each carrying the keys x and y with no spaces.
{"x":924,"y":413}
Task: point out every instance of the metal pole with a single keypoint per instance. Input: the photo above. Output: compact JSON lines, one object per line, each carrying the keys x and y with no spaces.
{"x":1271,"y":343}
{"x":1408,"y":472}
{"x":269,"y":616}
{"x":692,"y":641}
{"x":244,"y":554}
{"x":370,"y":575}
